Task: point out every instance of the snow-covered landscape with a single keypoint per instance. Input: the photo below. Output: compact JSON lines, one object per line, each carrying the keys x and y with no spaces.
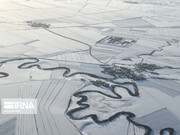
{"x":96,"y":67}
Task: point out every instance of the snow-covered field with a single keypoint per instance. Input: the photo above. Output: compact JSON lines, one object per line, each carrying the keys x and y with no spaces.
{"x":96,"y":67}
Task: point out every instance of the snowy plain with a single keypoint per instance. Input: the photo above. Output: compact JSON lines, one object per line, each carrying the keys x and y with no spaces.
{"x":96,"y":67}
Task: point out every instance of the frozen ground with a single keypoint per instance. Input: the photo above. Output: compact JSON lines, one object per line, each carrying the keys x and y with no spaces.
{"x":96,"y":67}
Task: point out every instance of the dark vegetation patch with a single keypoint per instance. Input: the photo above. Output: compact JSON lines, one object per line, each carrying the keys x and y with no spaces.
{"x":100,"y":83}
{"x":116,"y":41}
{"x":122,"y":72}
{"x":135,"y":73}
{"x":141,"y":67}
{"x":38,"y":25}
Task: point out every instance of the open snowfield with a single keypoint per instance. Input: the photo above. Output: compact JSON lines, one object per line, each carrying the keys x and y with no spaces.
{"x":96,"y":67}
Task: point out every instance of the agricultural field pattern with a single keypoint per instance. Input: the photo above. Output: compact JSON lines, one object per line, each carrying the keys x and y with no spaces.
{"x":96,"y":67}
